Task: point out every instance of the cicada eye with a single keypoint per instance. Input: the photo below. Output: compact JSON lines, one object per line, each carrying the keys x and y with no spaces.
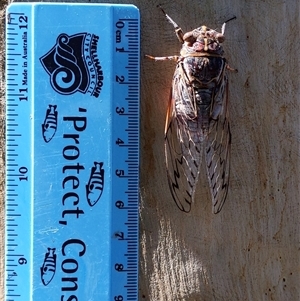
{"x":220,"y":38}
{"x":189,"y":37}
{"x":196,"y":33}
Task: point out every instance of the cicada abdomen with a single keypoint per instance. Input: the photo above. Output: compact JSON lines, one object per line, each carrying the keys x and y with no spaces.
{"x":197,"y":119}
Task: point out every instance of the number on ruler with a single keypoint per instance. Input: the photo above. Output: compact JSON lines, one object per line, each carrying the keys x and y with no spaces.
{"x":10,"y":276}
{"x":119,"y":141}
{"x":119,"y":204}
{"x":119,"y":267}
{"x":23,"y":170}
{"x":23,"y":91}
{"x":120,"y":235}
{"x":23,"y":19}
{"x":120,"y":172}
{"x":120,"y":79}
{"x":22,"y":261}
{"x":120,"y":111}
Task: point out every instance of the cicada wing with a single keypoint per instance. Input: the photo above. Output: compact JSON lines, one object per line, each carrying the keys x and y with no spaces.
{"x":217,"y":152}
{"x":182,"y":147}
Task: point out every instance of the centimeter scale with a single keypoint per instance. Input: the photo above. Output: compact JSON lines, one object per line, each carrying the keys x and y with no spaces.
{"x":72,"y":152}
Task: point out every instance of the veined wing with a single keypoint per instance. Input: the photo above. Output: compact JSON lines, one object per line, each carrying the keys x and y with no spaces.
{"x":217,"y":152}
{"x":183,"y":148}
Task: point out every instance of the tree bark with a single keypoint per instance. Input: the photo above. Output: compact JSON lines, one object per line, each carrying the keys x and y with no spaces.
{"x":250,"y":250}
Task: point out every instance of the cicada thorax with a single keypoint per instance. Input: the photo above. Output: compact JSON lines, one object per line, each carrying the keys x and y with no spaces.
{"x":202,"y":74}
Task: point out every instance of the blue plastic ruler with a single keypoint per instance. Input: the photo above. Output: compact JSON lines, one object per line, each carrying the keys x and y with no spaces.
{"x":72,"y":152}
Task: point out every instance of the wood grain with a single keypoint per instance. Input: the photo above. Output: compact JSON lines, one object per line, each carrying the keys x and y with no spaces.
{"x":250,"y":251}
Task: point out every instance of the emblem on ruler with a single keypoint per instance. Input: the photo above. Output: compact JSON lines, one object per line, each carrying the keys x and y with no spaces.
{"x":73,"y":65}
{"x":95,"y":186}
{"x":49,"y":266}
{"x":50,"y":123}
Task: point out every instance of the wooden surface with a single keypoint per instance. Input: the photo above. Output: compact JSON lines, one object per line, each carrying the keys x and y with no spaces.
{"x":250,"y":251}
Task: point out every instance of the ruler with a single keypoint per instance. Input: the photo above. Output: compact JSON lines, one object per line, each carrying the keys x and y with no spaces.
{"x":72,"y":152}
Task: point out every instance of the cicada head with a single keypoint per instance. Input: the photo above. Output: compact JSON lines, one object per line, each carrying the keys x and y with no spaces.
{"x":204,"y":40}
{"x":205,"y":32}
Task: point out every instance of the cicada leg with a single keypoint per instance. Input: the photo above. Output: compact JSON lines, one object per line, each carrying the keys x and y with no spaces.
{"x":162,"y":58}
{"x":231,"y":69}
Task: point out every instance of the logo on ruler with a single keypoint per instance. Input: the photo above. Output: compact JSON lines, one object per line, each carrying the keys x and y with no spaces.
{"x":94,"y":188}
{"x":73,"y":65}
{"x":49,"y":266}
{"x":50,"y":123}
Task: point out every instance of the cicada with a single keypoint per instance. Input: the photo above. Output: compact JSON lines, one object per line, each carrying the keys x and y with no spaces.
{"x":197,"y":117}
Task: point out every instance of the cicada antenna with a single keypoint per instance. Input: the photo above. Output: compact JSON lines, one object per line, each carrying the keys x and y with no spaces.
{"x":223,"y":26}
{"x":178,"y":30}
